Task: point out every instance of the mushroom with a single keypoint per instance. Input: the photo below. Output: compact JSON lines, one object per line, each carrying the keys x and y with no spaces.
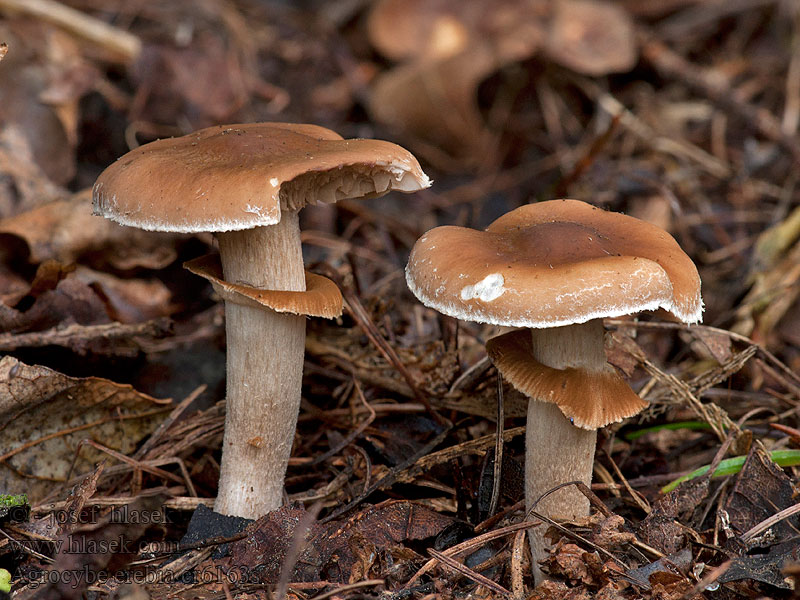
{"x":592,"y":37}
{"x":247,"y":183}
{"x":555,"y":269}
{"x":445,"y":48}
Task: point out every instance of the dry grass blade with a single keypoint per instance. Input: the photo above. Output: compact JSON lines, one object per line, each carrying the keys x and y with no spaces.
{"x":352,"y":435}
{"x":298,"y":543}
{"x":706,"y":581}
{"x":77,"y":336}
{"x":713,"y":87}
{"x":390,"y":478}
{"x":640,"y":500}
{"x":517,"y":554}
{"x":498,"y":448}
{"x":17,"y":545}
{"x":476,"y":446}
{"x":121,"y":43}
{"x":769,"y":356}
{"x":317,"y":493}
{"x":146,"y":466}
{"x":361,"y":316}
{"x":348,"y":588}
{"x":718,"y":422}
{"x":101,"y":501}
{"x":495,"y":519}
{"x":182,"y":564}
{"x":469,"y":378}
{"x":470,"y":546}
{"x":469,"y":573}
{"x":173,"y":416}
{"x":676,"y":147}
{"x":753,"y":532}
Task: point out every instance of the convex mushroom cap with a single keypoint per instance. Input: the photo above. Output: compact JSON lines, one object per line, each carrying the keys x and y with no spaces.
{"x":246,"y":183}
{"x":235,"y":177}
{"x":554,"y":263}
{"x":550,"y":265}
{"x":555,"y":269}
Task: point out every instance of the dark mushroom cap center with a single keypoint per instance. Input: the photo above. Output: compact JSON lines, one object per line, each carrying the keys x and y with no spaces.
{"x":553,"y":244}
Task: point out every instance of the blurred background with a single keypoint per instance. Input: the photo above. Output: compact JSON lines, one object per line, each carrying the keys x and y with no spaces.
{"x":681,"y":112}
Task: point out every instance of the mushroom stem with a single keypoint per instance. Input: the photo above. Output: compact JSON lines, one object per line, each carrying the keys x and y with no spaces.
{"x":265,"y":369}
{"x":555,"y":450}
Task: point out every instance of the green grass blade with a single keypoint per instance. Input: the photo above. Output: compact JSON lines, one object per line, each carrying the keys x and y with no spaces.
{"x":691,"y":425}
{"x":731,"y":466}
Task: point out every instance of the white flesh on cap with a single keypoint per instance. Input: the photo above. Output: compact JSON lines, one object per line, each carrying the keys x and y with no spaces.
{"x":265,"y":369}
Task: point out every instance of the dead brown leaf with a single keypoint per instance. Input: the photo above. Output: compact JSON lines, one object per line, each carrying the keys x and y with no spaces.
{"x":201,"y":81}
{"x":571,"y":562}
{"x":623,"y":352}
{"x":129,"y":300}
{"x":761,"y":490}
{"x":45,"y":415}
{"x":67,"y":301}
{"x":78,"y":497}
{"x":42,"y":55}
{"x":662,"y":528}
{"x":337,"y":551}
{"x":718,"y":345}
{"x":609,"y":532}
{"x":66,"y":230}
{"x":24,"y":184}
{"x":558,"y":590}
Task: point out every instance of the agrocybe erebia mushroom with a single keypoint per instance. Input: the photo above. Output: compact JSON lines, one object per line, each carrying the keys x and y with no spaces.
{"x":246,"y":183}
{"x":555,"y":269}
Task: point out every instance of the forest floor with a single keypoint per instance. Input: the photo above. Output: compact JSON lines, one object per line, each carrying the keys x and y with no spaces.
{"x":683,"y":113}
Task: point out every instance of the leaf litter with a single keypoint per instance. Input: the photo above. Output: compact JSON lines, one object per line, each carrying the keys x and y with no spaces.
{"x":690,"y":121}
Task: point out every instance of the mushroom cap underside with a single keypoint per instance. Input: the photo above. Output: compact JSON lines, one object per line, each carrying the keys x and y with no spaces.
{"x":235,"y":177}
{"x":554,"y":263}
{"x":589,"y":399}
{"x":321,"y":298}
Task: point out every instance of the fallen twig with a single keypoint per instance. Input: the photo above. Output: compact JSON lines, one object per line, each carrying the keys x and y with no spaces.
{"x":76,"y":336}
{"x":125,"y":45}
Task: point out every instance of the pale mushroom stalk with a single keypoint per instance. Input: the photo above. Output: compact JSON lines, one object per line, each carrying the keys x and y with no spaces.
{"x":264,"y":368}
{"x":246,"y":183}
{"x":553,"y":270}
{"x":555,"y":450}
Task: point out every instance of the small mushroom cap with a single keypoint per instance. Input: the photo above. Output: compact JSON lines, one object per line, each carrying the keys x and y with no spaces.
{"x":592,"y":37}
{"x":554,"y":263}
{"x":409,"y":29}
{"x":590,"y":399}
{"x":234,"y":177}
{"x":321,"y":298}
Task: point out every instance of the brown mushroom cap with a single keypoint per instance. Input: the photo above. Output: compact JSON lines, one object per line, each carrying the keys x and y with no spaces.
{"x":551,"y":264}
{"x":570,"y":389}
{"x":234,"y":177}
{"x":592,"y":37}
{"x":408,"y":29}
